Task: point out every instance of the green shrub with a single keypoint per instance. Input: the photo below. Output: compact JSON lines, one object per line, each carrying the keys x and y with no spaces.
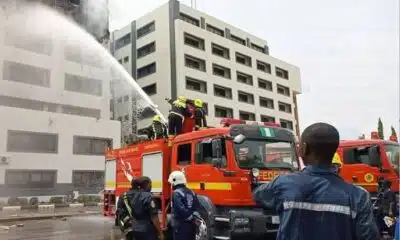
{"x":34,"y":201}
{"x":88,"y":199}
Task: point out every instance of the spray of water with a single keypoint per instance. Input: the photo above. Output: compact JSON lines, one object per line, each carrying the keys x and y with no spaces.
{"x":34,"y":22}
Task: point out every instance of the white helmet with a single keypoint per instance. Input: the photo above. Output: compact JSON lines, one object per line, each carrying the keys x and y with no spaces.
{"x":176,"y":178}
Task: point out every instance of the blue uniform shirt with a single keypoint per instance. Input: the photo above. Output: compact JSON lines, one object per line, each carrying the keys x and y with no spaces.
{"x":184,"y":204}
{"x":316,"y":203}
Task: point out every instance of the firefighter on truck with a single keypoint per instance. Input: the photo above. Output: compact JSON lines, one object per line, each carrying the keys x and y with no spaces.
{"x":222,"y":165}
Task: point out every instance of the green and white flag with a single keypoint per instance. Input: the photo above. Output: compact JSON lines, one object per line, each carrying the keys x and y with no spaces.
{"x":267,"y":132}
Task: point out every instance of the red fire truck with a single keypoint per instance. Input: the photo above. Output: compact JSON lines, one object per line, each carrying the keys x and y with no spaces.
{"x":222,"y":165}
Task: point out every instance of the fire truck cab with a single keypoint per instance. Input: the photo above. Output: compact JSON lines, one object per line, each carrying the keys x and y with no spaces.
{"x":222,"y":165}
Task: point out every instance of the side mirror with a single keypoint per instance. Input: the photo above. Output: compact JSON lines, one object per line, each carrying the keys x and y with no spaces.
{"x":374,"y":156}
{"x":216,"y":148}
{"x":217,"y":162}
{"x":239,"y":139}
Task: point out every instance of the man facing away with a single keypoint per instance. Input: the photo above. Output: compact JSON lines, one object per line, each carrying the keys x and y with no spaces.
{"x":138,"y":213}
{"x":316,"y":203}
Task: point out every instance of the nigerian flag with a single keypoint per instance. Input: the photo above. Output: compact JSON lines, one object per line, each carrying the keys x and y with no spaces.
{"x":267,"y":132}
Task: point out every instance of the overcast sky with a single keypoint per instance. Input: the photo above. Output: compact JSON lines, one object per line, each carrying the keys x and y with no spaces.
{"x":347,"y":51}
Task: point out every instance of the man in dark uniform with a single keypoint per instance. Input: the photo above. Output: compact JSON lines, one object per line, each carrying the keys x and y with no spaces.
{"x":185,"y":207}
{"x":177,"y":115}
{"x":387,"y":204}
{"x":316,"y":203}
{"x":138,"y":213}
{"x":157,"y":129}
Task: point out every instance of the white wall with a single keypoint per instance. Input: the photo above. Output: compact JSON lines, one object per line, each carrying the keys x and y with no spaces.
{"x":66,"y":126}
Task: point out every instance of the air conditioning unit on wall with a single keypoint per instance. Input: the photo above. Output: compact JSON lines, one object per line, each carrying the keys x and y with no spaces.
{"x":5,"y":160}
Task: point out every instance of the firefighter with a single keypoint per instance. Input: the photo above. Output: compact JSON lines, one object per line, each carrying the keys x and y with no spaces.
{"x":185,"y":207}
{"x":387,"y":206}
{"x":157,"y":129}
{"x":316,"y":203}
{"x":177,"y":115}
{"x":199,"y":115}
{"x":138,"y":213}
{"x":336,"y":163}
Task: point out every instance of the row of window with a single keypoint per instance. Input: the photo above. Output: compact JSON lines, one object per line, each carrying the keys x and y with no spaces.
{"x":222,"y":33}
{"x":149,"y":90}
{"x":141,"y":32}
{"x":38,"y":142}
{"x":34,"y":179}
{"x":27,"y":74}
{"x":23,"y":103}
{"x":225,"y":92}
{"x":226,"y":112}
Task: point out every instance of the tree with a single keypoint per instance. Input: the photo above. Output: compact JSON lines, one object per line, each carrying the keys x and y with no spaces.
{"x":380,"y":129}
{"x":394,"y":134}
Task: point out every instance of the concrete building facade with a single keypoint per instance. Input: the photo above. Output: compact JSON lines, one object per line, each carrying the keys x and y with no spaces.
{"x":55,"y":116}
{"x":176,"y":50}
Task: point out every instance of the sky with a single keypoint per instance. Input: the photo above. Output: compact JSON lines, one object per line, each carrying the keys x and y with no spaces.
{"x":347,"y":52}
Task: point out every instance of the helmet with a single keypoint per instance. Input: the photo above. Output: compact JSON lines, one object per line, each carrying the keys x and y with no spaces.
{"x":176,"y":178}
{"x":336,"y":159}
{"x":182,"y":99}
{"x":157,"y":118}
{"x":198,"y":103}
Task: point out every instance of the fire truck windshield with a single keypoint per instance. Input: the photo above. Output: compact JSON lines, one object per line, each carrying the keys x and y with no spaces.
{"x":393,"y":155}
{"x":265,"y":154}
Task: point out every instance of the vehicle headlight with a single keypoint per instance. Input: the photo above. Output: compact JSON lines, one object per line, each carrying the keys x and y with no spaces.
{"x":241,"y":221}
{"x":255,"y":172}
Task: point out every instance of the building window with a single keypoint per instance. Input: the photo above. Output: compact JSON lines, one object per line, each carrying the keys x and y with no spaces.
{"x":149,"y":28}
{"x":221,"y":71}
{"x":238,"y":40}
{"x":196,"y":63}
{"x":120,"y":61}
{"x":144,"y":113}
{"x":215,"y":30}
{"x":119,"y":119}
{"x":30,"y":179}
{"x":220,"y":51}
{"x":286,"y":124}
{"x":265,"y":84}
{"x":245,"y":97}
{"x":87,"y":179}
{"x":265,"y":118}
{"x":196,"y":85}
{"x":79,"y":84}
{"x":262,"y":66}
{"x":146,"y":50}
{"x":80,"y":111}
{"x":257,"y":48}
{"x":23,"y":73}
{"x":31,"y":142}
{"x":38,"y":43}
{"x":150,"y":89}
{"x":193,"y":41}
{"x":247,"y":116}
{"x":243,"y":59}
{"x":126,"y":59}
{"x":91,"y":145}
{"x":190,"y":19}
{"x":266,"y":102}
{"x":126,"y":118}
{"x":285,"y":107}
{"x":223,"y":92}
{"x":283,"y":90}
{"x":126,"y":98}
{"x":123,"y":41}
{"x":244,"y":78}
{"x":80,"y":55}
{"x":119,"y":100}
{"x":14,"y":102}
{"x":223,"y":112}
{"x":282,"y":73}
{"x":146,"y":70}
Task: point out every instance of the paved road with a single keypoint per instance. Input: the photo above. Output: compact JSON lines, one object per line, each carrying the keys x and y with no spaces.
{"x":74,"y":228}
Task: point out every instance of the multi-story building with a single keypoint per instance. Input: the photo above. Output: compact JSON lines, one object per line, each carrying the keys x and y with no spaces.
{"x":176,"y":50}
{"x":54,"y":107}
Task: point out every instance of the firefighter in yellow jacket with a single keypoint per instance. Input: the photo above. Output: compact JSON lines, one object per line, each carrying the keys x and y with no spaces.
{"x":177,"y":115}
{"x":337,"y":163}
{"x":199,"y":115}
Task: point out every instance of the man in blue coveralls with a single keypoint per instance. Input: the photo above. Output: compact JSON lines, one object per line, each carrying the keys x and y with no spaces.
{"x":316,"y":203}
